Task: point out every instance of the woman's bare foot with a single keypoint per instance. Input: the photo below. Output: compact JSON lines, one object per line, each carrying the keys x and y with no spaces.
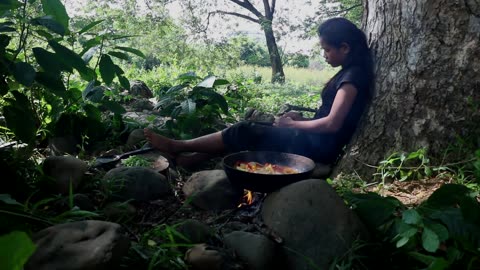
{"x":160,"y":142}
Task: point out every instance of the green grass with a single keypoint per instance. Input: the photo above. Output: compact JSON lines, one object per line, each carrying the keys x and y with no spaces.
{"x":292,"y":75}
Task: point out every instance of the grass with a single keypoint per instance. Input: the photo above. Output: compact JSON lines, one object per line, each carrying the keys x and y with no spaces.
{"x":292,"y":75}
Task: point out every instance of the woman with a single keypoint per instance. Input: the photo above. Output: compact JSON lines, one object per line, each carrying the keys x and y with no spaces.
{"x":322,"y":138}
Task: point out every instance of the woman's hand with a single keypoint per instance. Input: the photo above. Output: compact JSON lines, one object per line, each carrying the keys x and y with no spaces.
{"x":284,"y":122}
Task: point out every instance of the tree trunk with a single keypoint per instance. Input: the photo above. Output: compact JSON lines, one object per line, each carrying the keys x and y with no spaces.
{"x":427,"y":55}
{"x":277,"y":68}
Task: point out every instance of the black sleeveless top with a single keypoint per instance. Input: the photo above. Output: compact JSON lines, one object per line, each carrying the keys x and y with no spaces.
{"x":360,"y":79}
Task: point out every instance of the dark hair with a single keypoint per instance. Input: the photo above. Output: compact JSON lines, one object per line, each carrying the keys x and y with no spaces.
{"x":336,"y":31}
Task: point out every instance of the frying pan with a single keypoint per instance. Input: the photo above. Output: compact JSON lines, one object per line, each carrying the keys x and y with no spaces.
{"x":267,"y":182}
{"x":110,"y":160}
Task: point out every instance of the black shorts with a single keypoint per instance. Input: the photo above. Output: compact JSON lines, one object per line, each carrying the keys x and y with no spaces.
{"x":251,"y":136}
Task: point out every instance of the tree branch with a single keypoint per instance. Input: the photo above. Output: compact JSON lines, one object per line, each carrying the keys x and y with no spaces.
{"x":247,"y":5}
{"x":268,"y":12}
{"x":272,"y":9}
{"x":237,"y":15}
{"x":344,"y":10}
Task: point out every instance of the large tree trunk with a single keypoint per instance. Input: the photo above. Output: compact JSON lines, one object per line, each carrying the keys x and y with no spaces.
{"x":427,"y":55}
{"x":277,"y":68}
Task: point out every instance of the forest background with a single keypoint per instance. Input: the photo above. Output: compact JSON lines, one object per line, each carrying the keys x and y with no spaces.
{"x":65,"y":65}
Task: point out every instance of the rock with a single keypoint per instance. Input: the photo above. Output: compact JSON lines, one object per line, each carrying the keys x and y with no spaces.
{"x":321,"y":171}
{"x":63,"y":145}
{"x":135,"y":137}
{"x":211,"y":190}
{"x":201,"y":257}
{"x":92,"y":245}
{"x":313,"y":221}
{"x":139,"y":88}
{"x":149,"y":120}
{"x":137,"y":183}
{"x":119,"y":211}
{"x":64,"y":169}
{"x":141,"y":105}
{"x":256,"y":250}
{"x":195,"y":231}
{"x":81,"y":201}
{"x":258,"y":116}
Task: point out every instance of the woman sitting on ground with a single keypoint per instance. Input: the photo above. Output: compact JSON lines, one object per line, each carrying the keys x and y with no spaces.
{"x":344,"y":98}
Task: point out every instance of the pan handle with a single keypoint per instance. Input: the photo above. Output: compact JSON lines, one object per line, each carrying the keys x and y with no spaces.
{"x":135,"y":152}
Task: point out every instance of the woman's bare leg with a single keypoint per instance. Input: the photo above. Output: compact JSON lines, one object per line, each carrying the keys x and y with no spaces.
{"x":211,"y":143}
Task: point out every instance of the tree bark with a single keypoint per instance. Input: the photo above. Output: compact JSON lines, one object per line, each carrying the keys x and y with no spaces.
{"x":277,"y":68}
{"x":427,"y":55}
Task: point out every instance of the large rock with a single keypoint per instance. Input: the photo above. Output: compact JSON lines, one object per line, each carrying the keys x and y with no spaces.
{"x":195,"y":231}
{"x":144,"y":119}
{"x":135,"y":137}
{"x":211,"y":190}
{"x":313,"y":221}
{"x":256,"y":250}
{"x":64,"y":169}
{"x":137,"y":183}
{"x":139,"y":88}
{"x":63,"y":145}
{"x":83,"y":245}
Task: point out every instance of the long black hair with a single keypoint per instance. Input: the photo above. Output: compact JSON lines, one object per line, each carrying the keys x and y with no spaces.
{"x":336,"y":31}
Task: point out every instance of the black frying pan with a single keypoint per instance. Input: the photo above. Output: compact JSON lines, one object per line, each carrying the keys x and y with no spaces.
{"x":267,"y":182}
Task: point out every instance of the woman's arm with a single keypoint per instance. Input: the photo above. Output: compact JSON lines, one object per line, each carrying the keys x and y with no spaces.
{"x":334,"y":120}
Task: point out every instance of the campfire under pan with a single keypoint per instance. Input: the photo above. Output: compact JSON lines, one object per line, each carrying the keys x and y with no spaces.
{"x":267,"y":182}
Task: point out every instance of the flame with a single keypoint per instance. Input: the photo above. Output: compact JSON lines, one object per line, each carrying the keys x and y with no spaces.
{"x":247,"y":198}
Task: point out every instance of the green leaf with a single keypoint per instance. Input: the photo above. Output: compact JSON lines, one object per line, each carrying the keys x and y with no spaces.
{"x":88,"y":55}
{"x":188,"y":106}
{"x":446,"y":196}
{"x":434,"y":263}
{"x":89,"y":26}
{"x":215,"y":98}
{"x":176,"y":88}
{"x":72,"y":59}
{"x":96,"y":41}
{"x":107,"y":69}
{"x":24,"y":73}
{"x":7,"y":27}
{"x":20,"y":118}
{"x":124,"y":82}
{"x":52,"y":82}
{"x":15,"y":249}
{"x":57,"y":10}
{"x":92,"y":112}
{"x":131,"y":50}
{"x":430,"y":240}
{"x":49,"y":61}
{"x":400,"y":243}
{"x":7,"y":199}
{"x":411,"y":216}
{"x":93,"y":93}
{"x":50,"y":24}
{"x":372,"y":208}
{"x":9,"y":4}
{"x":188,"y":77}
{"x":119,"y":71}
{"x":439,"y":230}
{"x":44,"y":34}
{"x":207,"y":82}
{"x":113,"y":106}
{"x":221,"y":82}
{"x":119,"y":55}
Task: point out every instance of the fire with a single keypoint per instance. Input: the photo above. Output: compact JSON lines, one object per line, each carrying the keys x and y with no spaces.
{"x":247,"y":198}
